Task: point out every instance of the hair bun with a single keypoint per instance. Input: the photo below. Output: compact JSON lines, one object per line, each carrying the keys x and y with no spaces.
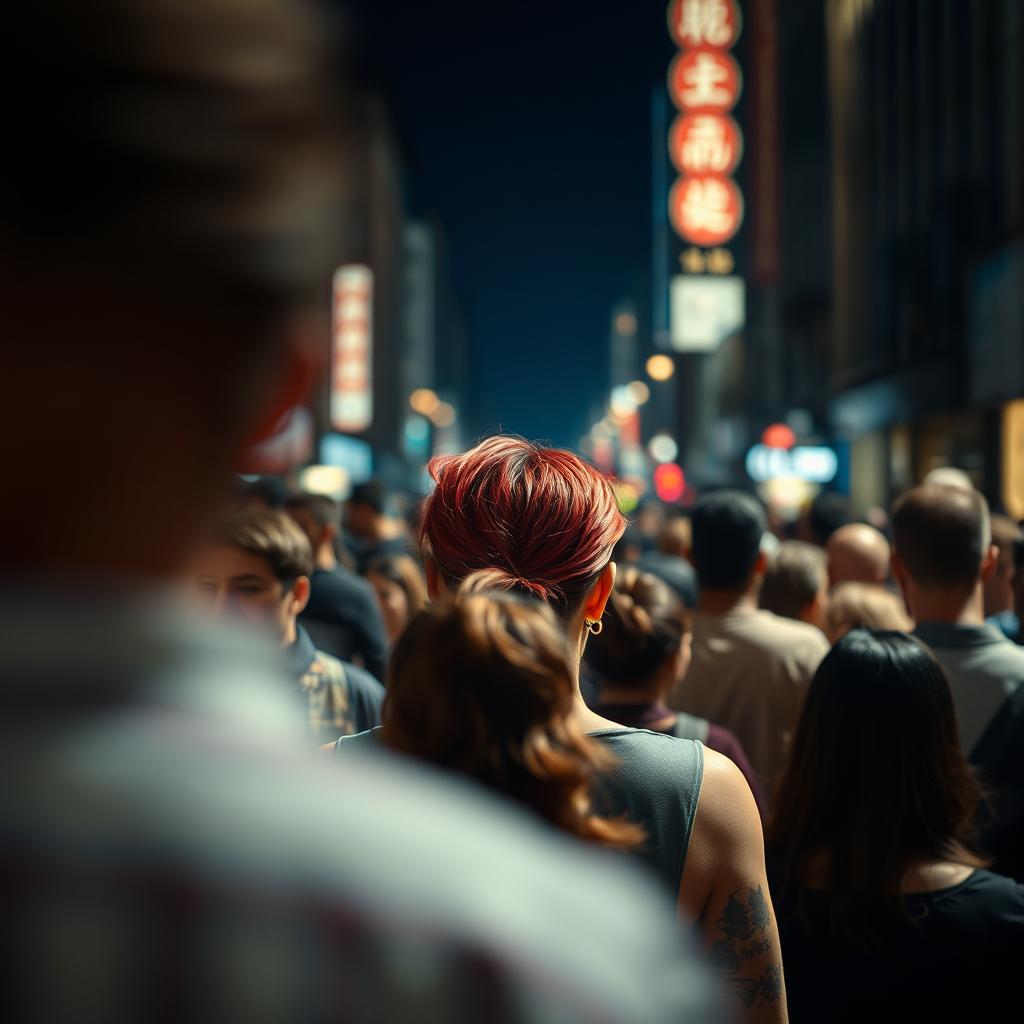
{"x":483,"y":580}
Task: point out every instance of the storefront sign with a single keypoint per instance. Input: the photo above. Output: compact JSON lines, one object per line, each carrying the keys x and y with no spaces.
{"x":352,"y":349}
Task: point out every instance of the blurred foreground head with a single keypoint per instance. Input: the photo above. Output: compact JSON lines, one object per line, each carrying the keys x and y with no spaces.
{"x":482,"y":683}
{"x":168,"y":207}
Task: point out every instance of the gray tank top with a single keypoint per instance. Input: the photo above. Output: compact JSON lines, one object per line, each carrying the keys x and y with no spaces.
{"x":656,"y":785}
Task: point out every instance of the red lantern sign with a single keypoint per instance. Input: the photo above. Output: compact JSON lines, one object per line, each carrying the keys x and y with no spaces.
{"x":705,"y":144}
{"x":705,"y":81}
{"x":706,"y":210}
{"x":693,"y":23}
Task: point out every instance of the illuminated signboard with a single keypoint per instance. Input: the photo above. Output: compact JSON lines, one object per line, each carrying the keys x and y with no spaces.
{"x":693,"y":23}
{"x":352,"y":349}
{"x":814,"y":464}
{"x":705,"y":144}
{"x":705,"y":310}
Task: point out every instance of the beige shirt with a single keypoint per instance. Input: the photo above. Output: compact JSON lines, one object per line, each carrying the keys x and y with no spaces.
{"x":749,"y":674}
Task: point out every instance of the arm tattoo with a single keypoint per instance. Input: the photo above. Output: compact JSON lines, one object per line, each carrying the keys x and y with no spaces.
{"x":744,"y":926}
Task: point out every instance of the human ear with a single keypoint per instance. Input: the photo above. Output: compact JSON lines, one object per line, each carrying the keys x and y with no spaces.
{"x":300,"y":594}
{"x":595,"y":602}
{"x":989,"y":562}
{"x":436,"y":586}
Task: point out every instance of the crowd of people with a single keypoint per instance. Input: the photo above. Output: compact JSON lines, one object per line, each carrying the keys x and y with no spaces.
{"x":671,"y":695}
{"x":272,"y":758}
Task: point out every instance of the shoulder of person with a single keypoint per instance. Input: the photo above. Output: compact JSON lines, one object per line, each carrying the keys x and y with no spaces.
{"x":362,"y":682}
{"x":368,"y":739}
{"x":656,"y":755}
{"x":997,"y":896}
{"x":793,"y":636}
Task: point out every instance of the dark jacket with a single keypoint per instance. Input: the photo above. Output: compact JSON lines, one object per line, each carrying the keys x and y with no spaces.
{"x":344,"y":619}
{"x":339,"y":699}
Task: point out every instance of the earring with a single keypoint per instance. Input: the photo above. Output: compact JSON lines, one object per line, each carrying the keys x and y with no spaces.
{"x":594,"y":625}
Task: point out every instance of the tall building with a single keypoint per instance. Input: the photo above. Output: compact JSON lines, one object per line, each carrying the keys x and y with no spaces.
{"x":928,"y":197}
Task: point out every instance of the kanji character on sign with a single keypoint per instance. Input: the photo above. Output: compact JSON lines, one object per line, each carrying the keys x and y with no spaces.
{"x":705,"y":81}
{"x":704,"y":23}
{"x":705,"y":143}
{"x":706,"y":210}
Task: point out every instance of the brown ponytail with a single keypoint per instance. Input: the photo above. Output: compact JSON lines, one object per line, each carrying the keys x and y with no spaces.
{"x":482,"y":683}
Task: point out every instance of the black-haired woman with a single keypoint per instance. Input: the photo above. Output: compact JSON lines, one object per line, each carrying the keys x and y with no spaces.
{"x":885,"y":911}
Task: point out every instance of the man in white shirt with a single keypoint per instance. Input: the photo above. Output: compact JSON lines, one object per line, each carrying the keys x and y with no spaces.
{"x":750,"y":668}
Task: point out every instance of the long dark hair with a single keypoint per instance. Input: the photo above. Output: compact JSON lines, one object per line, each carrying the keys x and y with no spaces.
{"x":876,"y":780}
{"x":482,"y":683}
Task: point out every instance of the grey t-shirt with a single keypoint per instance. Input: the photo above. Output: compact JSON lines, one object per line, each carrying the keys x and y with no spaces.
{"x":983,"y":668}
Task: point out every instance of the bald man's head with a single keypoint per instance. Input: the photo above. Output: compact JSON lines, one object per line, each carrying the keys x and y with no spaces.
{"x":857,"y":553}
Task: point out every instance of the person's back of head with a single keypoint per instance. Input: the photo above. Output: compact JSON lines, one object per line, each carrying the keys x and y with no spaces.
{"x":827,"y":513}
{"x":948,"y":476}
{"x":201,"y":226}
{"x":857,"y":553}
{"x":676,"y":537}
{"x":864,"y":606}
{"x":941,"y":537}
{"x":482,"y":683}
{"x":728,"y":533}
{"x":645,"y":626}
{"x":795,"y":582}
{"x":876,"y":779}
{"x":542,"y":517}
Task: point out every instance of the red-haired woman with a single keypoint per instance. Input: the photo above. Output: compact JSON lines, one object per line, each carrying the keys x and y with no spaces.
{"x":544,"y":523}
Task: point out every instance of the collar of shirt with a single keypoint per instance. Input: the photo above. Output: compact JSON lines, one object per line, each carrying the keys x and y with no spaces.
{"x":948,"y":634}
{"x":298,"y":656}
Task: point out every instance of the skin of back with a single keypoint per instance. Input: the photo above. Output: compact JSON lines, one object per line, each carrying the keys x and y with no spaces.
{"x":724,"y":888}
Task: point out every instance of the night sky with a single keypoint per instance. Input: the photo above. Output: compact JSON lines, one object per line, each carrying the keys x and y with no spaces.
{"x":528,"y":126}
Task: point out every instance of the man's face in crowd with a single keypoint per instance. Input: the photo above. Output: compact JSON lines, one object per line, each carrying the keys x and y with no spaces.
{"x":241,"y":585}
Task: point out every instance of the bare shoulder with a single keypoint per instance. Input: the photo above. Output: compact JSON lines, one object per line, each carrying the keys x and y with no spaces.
{"x":726,"y":809}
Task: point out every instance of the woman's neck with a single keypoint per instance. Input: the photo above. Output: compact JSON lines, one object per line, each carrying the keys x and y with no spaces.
{"x":649,"y":694}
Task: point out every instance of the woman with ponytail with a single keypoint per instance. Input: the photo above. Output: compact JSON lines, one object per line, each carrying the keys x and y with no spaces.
{"x":543,"y":523}
{"x":640,"y":657}
{"x":482,"y":683}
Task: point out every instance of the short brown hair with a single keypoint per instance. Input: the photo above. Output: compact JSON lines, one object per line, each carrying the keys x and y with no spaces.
{"x":270,"y":535}
{"x":941,"y":535}
{"x":795,"y":575}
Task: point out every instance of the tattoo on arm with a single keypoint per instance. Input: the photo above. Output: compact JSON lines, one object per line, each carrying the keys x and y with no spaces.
{"x":744,"y":925}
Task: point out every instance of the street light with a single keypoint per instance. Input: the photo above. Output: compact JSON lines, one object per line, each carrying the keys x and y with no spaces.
{"x":444,"y":415}
{"x":424,"y":401}
{"x":660,"y":367}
